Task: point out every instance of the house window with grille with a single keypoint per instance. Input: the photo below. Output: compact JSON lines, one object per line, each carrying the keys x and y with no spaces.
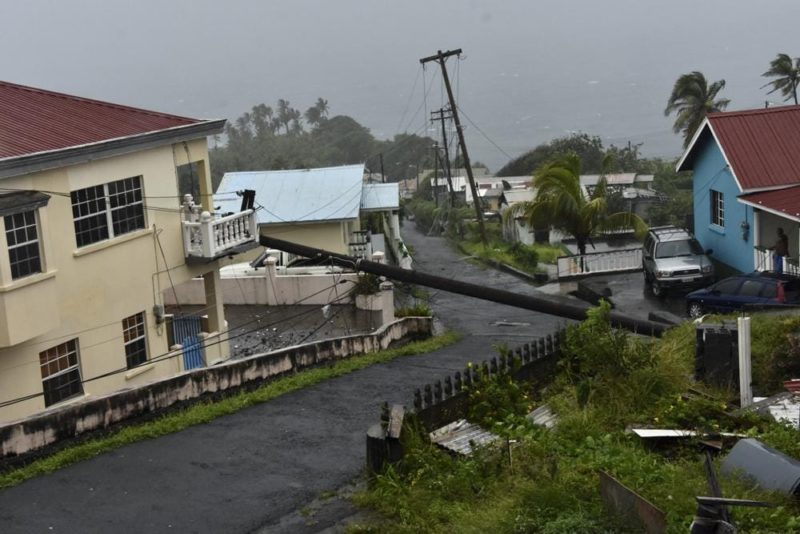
{"x":61,"y":375}
{"x":22,"y":238}
{"x":135,"y":340}
{"x":105,"y":211}
{"x":717,"y":208}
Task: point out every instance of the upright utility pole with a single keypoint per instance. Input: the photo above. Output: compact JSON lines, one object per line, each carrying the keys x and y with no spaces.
{"x":440,"y":58}
{"x":383,"y":173}
{"x":448,"y":172}
{"x":435,"y":175}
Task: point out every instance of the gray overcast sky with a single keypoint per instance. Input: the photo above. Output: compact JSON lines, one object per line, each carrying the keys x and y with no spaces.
{"x":533,"y":70}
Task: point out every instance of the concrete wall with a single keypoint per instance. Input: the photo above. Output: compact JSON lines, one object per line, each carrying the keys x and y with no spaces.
{"x":309,"y":289}
{"x":78,"y":418}
{"x":96,"y":286}
{"x":711,"y":172}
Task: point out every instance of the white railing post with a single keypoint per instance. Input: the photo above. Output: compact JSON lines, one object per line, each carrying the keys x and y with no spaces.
{"x":206,"y":234}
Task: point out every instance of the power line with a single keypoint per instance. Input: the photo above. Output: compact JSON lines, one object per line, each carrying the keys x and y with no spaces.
{"x":169,"y":355}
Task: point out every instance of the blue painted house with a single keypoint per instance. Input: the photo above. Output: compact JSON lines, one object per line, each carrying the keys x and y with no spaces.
{"x":746,"y":185}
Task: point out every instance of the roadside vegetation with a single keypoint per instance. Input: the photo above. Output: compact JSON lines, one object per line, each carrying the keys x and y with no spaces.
{"x":607,"y":381}
{"x":205,"y":412}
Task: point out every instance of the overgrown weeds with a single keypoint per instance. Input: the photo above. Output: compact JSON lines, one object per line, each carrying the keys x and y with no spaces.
{"x":607,"y":381}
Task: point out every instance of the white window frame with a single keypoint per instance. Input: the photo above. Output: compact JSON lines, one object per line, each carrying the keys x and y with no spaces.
{"x":141,"y":321}
{"x":38,"y":241}
{"x":109,"y":211}
{"x":67,"y":351}
{"x":718,"y":208}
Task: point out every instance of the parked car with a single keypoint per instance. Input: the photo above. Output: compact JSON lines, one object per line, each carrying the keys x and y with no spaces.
{"x":673,"y":259}
{"x":737,"y":292}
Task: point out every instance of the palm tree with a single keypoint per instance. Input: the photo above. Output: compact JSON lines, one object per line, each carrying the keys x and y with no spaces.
{"x":561,"y":202}
{"x":786,"y":74}
{"x":322,"y":107}
{"x":692,"y":98}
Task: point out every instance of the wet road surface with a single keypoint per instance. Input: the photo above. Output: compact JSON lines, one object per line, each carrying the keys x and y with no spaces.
{"x":257,"y":469}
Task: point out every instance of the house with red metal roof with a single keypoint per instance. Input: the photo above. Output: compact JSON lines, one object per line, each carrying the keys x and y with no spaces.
{"x":747,"y":185}
{"x":98,"y":224}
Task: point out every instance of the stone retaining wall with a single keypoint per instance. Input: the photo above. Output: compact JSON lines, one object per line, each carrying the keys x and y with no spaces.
{"x":73,"y":420}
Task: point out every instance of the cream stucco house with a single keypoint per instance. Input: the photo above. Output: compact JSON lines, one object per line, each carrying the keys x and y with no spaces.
{"x":95,"y":230}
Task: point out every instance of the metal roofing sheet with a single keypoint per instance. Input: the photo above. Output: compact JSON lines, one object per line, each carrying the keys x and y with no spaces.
{"x":761,"y":145}
{"x":303,"y":195}
{"x":380,"y":197}
{"x":35,"y":120}
{"x":780,"y":201}
{"x":519,"y":195}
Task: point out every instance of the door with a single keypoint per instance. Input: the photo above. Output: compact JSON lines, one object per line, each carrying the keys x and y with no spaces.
{"x":186,"y":331}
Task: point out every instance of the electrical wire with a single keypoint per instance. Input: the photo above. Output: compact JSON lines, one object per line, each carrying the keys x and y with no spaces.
{"x":506,"y":154}
{"x":221,"y":338}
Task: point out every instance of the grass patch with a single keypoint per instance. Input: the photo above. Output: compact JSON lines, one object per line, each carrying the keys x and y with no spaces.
{"x":208,"y":411}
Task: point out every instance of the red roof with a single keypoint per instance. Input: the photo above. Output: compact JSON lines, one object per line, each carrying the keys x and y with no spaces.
{"x":762,"y":145}
{"x":780,"y":201}
{"x":34,"y":120}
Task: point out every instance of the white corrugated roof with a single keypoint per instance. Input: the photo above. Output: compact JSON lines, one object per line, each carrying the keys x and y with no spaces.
{"x":303,"y":195}
{"x":380,"y":197}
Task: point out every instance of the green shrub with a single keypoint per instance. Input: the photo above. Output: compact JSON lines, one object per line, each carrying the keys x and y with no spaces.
{"x":417,"y":310}
{"x":525,"y":255}
{"x":366,"y":284}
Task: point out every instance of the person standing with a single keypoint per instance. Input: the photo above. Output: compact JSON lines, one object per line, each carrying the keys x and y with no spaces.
{"x":781,"y":250}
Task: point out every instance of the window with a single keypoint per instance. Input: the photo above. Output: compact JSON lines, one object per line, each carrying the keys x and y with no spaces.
{"x":728,"y":286}
{"x":22,"y":238}
{"x":135,"y":340}
{"x":717,"y":208}
{"x":104,"y":211}
{"x":61,"y":376}
{"x":751,"y":288}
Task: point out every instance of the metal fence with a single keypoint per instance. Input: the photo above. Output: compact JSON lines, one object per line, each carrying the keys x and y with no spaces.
{"x":629,"y":259}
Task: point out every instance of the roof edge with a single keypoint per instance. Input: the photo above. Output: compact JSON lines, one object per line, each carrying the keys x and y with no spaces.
{"x":761,"y":207}
{"x":690,"y":148}
{"x":62,"y":157}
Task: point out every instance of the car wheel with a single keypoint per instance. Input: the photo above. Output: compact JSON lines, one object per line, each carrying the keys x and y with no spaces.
{"x":657,"y":290}
{"x":696,"y":310}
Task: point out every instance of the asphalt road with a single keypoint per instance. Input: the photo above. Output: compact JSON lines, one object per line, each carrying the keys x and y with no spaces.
{"x":260,"y":469}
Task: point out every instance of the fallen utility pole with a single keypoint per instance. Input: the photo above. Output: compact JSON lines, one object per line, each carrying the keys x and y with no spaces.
{"x":549,"y":304}
{"x":440,"y":58}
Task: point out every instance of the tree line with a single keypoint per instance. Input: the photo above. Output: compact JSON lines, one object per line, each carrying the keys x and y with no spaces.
{"x":283,"y":137}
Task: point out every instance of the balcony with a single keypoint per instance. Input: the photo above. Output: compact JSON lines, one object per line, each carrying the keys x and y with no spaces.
{"x":28,"y":308}
{"x":207,"y":236}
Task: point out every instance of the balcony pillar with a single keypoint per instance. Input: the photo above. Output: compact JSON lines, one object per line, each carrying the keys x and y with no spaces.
{"x":216,"y":312}
{"x":207,"y":234}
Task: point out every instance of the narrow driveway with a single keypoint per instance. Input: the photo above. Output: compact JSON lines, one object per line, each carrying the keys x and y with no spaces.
{"x":254,"y":470}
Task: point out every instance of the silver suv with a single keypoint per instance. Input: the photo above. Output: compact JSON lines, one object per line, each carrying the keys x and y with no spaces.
{"x":673,"y":258}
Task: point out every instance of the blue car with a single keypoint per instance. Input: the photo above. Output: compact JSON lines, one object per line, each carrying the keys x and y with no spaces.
{"x":746,"y":290}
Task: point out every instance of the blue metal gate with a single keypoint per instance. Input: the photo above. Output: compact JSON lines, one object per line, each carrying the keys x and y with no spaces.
{"x":186,"y":330}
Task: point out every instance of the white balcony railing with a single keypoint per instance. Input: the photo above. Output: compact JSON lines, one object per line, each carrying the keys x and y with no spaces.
{"x":207,"y":236}
{"x":764,"y":260}
{"x":600,"y":262}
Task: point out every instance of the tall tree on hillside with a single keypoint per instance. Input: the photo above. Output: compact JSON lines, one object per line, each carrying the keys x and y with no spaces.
{"x":692,"y":98}
{"x":787,"y":76}
{"x":563,"y":204}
